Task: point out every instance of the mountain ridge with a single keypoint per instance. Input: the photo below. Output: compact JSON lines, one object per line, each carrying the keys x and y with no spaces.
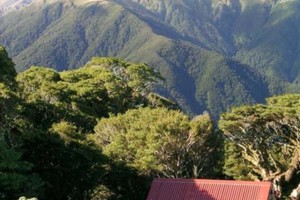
{"x":189,"y":42}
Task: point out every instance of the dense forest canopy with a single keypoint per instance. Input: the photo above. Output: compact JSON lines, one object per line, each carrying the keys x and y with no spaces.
{"x":226,"y":52}
{"x":99,"y":132}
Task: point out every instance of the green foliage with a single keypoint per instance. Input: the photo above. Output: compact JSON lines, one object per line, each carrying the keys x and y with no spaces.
{"x":103,"y":86}
{"x":157,"y":101}
{"x":158,"y":141}
{"x":7,"y":70}
{"x":7,"y":66}
{"x":16,"y":175}
{"x":263,"y":140}
{"x":266,"y":49}
{"x":196,"y":46}
{"x":67,"y":131}
{"x":106,"y":62}
{"x":234,"y":165}
{"x":44,"y":125}
{"x":99,"y":133}
{"x":38,"y":83}
{"x":63,"y":163}
{"x":139,"y":77}
{"x":63,"y":157}
{"x":113,"y":84}
{"x":215,"y":83}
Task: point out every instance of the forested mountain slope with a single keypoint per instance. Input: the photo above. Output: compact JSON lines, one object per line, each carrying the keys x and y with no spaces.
{"x":212,"y":53}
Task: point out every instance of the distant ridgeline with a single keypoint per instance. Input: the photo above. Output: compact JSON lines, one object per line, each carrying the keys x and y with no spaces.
{"x":213,"y":54}
{"x":98,"y":132}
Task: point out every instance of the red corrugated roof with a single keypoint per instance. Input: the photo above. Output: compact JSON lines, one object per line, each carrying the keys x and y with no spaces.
{"x":201,"y":189}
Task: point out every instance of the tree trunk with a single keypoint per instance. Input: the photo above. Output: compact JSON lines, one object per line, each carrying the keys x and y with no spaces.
{"x":295,"y":195}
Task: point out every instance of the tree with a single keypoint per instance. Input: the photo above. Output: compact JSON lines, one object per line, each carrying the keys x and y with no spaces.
{"x":159,"y":142}
{"x":141,"y":78}
{"x":60,"y":108}
{"x":45,"y":118}
{"x":74,"y":168}
{"x":7,"y":70}
{"x":69,"y":167}
{"x":127,"y":84}
{"x":267,"y":137}
{"x":17,"y":178}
